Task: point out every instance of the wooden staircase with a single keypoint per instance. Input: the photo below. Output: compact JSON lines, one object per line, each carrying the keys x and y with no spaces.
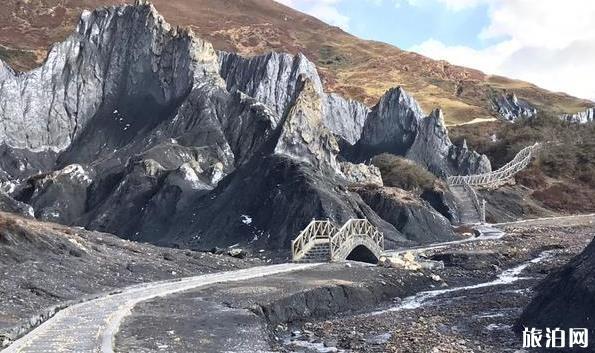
{"x":468,"y":213}
{"x":319,"y":252}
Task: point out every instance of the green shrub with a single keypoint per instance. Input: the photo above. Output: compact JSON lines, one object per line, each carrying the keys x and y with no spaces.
{"x":403,"y":173}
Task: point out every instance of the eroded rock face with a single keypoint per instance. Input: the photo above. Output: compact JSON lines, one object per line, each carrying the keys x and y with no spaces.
{"x":274,"y":80}
{"x":433,"y":149}
{"x":565,"y":298}
{"x":117,"y":54}
{"x":143,"y":130}
{"x":510,"y":108}
{"x":415,"y":219}
{"x":267,"y":203}
{"x":584,"y":117}
{"x":392,"y":124}
{"x":303,"y":134}
{"x":397,"y":125}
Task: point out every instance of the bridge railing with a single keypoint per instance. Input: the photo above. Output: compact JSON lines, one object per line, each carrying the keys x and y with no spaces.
{"x":307,"y":237}
{"x":352,"y":231}
{"x":518,"y":163}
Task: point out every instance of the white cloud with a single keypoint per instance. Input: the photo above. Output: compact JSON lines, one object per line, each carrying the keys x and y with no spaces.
{"x":549,"y":43}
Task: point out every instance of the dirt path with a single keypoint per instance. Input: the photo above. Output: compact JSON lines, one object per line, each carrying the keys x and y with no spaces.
{"x":91,"y":326}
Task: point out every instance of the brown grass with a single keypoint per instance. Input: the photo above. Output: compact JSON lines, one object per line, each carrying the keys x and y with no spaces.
{"x":353,"y":67}
{"x":402,"y":173}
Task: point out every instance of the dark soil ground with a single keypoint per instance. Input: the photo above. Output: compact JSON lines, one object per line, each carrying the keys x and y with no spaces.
{"x":252,"y":316}
{"x":355,"y":308}
{"x":45,"y":264}
{"x":466,"y":320}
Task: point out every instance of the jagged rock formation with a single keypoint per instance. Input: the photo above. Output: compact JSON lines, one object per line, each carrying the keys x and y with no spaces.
{"x":566,"y":298}
{"x":433,"y":149}
{"x":584,"y":117}
{"x":392,"y":124}
{"x":118,"y":56}
{"x":343,"y":117}
{"x":143,"y":130}
{"x":303,"y":134}
{"x":397,"y":125}
{"x":510,"y":108}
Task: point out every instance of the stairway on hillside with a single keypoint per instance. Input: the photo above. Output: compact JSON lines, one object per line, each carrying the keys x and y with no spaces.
{"x":468,"y":214}
{"x":320,"y":252}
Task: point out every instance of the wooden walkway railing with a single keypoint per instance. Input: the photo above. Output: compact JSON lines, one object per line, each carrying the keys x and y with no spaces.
{"x":340,"y":241}
{"x":518,"y":163}
{"x":353,"y":233}
{"x":307,"y":237}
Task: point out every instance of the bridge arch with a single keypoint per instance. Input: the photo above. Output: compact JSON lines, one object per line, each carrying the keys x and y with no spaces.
{"x":357,"y":239}
{"x":362,"y":254}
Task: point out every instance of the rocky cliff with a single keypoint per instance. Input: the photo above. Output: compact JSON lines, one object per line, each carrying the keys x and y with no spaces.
{"x":587,"y":116}
{"x":142,"y":129}
{"x":397,"y":125}
{"x":566,"y":298}
{"x":511,"y":108}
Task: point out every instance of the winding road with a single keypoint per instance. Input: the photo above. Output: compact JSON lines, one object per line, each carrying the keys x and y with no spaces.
{"x":90,"y":327}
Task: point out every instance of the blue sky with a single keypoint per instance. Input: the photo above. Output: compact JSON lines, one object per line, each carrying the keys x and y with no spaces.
{"x":547,"y":42}
{"x":406,"y":25}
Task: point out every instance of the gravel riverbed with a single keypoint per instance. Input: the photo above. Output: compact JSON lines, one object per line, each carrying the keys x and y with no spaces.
{"x":476,"y":300}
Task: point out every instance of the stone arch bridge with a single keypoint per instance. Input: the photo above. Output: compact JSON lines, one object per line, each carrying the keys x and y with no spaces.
{"x":323,"y":241}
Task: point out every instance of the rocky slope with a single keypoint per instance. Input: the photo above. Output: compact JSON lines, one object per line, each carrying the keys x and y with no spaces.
{"x":47,"y":264}
{"x":134,"y":127}
{"x":355,"y":68}
{"x":587,"y":116}
{"x":566,"y":298}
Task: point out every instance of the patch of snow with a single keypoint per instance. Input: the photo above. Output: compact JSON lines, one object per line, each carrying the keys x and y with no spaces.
{"x":190,"y":175}
{"x":75,"y":171}
{"x":54,"y":214}
{"x":246,"y":219}
{"x":8,"y":186}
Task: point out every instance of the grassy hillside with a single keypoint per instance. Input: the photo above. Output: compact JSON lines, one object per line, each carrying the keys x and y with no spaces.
{"x":356,"y":68}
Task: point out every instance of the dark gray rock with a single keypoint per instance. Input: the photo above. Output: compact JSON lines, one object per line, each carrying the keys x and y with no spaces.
{"x":8,"y":204}
{"x":565,"y":298}
{"x":433,"y":149}
{"x":397,"y":125}
{"x":59,"y":196}
{"x":117,"y":55}
{"x":273,"y":79}
{"x":510,"y":108}
{"x":392,"y":125}
{"x":415,"y":219}
{"x":303,"y":135}
{"x":267,"y":202}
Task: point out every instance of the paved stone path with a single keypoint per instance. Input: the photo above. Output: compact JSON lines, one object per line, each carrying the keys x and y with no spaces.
{"x":90,"y":327}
